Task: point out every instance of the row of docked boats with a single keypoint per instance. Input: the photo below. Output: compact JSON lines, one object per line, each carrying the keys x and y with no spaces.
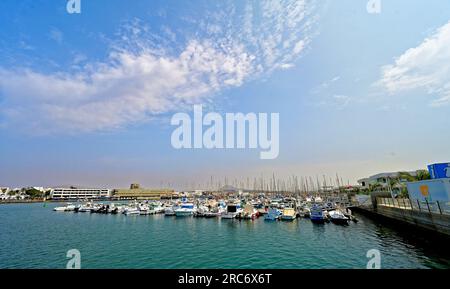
{"x":272,"y":210}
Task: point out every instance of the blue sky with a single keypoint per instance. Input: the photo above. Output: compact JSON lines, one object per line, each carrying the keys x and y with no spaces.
{"x":87,"y":98}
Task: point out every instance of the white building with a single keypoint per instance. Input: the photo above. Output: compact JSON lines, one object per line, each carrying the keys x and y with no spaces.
{"x":382,"y":179}
{"x":78,"y":193}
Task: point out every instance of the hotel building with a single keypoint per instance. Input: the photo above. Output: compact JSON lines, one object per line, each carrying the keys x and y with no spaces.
{"x":77,"y":193}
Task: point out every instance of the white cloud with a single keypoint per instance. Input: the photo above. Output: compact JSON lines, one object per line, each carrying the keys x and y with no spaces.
{"x":56,"y":35}
{"x":425,"y":67}
{"x":144,"y":76}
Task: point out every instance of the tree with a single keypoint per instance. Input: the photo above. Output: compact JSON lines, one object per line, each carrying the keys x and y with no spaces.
{"x":33,"y":193}
{"x":423,"y":175}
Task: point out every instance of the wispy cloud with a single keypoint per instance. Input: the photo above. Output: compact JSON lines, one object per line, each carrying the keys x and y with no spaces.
{"x":145,"y":76}
{"x":56,"y":35}
{"x":425,"y":67}
{"x":325,"y":85}
{"x":337,"y":101}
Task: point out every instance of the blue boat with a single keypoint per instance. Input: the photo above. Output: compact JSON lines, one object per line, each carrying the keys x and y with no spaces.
{"x":272,"y":215}
{"x":317,"y":214}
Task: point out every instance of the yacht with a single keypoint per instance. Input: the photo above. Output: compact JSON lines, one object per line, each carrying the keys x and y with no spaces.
{"x":232,"y":211}
{"x":186,"y":209}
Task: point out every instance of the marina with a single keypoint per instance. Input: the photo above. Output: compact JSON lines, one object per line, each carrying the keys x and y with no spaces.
{"x":276,"y":208}
{"x":159,"y":241}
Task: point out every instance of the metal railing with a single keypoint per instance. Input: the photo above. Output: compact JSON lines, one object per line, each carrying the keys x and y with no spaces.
{"x":436,"y":207}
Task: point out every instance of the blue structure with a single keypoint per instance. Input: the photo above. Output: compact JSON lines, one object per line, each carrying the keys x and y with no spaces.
{"x":439,"y":171}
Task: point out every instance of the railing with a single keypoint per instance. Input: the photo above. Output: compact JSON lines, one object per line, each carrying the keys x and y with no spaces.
{"x":437,"y":207}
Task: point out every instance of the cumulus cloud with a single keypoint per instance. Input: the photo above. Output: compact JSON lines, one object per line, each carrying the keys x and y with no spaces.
{"x":425,"y":67}
{"x":144,"y":75}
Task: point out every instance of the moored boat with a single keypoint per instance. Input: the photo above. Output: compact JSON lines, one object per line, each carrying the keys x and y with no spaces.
{"x":232,"y":211}
{"x":186,"y":209}
{"x":288,"y":214}
{"x":272,"y":215}
{"x":317,"y":214}
{"x":337,"y":217}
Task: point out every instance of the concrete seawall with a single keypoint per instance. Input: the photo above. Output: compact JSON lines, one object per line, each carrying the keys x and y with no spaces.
{"x":435,"y":222}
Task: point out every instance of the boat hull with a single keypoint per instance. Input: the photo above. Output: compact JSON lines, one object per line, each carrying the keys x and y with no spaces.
{"x":339,"y":221}
{"x":183,"y":213}
{"x":287,"y":218}
{"x":318,"y":220}
{"x":228,"y":216}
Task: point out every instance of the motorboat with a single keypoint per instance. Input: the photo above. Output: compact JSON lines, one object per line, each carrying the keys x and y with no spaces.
{"x":201,"y":211}
{"x":85,"y":207}
{"x":337,"y":217}
{"x":304,"y":212}
{"x":272,"y":215}
{"x":232,"y":211}
{"x":144,"y":209}
{"x":59,"y":209}
{"x":186,"y":209}
{"x":132,"y":210}
{"x":211,"y":214}
{"x":249,"y":212}
{"x":170,"y":211}
{"x":317,"y":214}
{"x":288,"y":214}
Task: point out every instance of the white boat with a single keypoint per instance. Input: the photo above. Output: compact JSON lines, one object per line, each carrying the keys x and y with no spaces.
{"x":170,"y":211}
{"x":186,"y":209}
{"x":159,"y":209}
{"x":85,"y":207}
{"x":144,"y":209}
{"x":232,"y":211}
{"x":211,"y":214}
{"x":304,"y":212}
{"x":249,"y":212}
{"x":59,"y":209}
{"x":338,"y":217}
{"x":131,"y":211}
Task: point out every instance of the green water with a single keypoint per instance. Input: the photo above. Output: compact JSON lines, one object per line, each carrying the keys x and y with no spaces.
{"x":34,"y":236}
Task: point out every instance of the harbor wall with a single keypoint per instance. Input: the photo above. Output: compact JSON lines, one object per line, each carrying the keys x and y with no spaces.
{"x":403,"y":212}
{"x":435,"y":222}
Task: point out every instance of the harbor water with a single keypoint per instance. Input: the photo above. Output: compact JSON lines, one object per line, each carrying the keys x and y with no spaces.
{"x":34,"y":236}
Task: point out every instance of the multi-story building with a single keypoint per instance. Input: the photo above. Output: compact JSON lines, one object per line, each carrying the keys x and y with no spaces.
{"x":78,"y":193}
